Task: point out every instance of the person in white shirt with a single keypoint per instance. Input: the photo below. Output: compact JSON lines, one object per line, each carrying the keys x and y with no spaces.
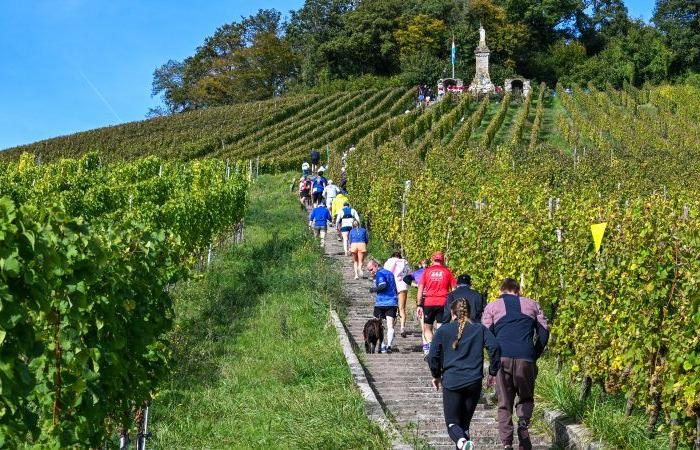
{"x":343,"y":221}
{"x":305,"y":168}
{"x":400,"y":268}
{"x":329,"y":193}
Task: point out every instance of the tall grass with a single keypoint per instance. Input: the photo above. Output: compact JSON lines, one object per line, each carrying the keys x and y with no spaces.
{"x":257,"y":365}
{"x":602,"y":413}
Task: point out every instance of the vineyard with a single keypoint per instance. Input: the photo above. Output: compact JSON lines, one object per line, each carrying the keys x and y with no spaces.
{"x":506,"y":185}
{"x":278,"y":134}
{"x":511,"y":188}
{"x":87,"y":256}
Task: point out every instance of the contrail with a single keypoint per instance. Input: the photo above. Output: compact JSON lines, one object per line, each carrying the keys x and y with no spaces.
{"x":99,"y":94}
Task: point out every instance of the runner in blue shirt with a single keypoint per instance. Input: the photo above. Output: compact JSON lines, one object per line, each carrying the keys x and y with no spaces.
{"x":319,"y":184}
{"x":387,"y":301}
{"x":318,"y":221}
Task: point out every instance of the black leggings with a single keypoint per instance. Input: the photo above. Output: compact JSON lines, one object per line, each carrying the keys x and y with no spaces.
{"x":459,"y":406}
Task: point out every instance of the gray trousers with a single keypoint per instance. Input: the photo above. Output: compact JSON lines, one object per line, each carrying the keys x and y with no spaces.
{"x":516,"y":377}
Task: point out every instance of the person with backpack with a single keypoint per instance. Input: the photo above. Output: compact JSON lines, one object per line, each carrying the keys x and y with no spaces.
{"x":318,"y":221}
{"x":318,"y":185}
{"x":304,"y":191}
{"x":399,"y":267}
{"x":456,"y":361}
{"x":305,"y":168}
{"x":521,"y":331}
{"x":386,"y":301}
{"x":315,"y":160}
{"x":477,"y":302}
{"x":359,"y":238}
{"x":343,"y":223}
{"x":329,"y":193}
{"x":437,"y":281}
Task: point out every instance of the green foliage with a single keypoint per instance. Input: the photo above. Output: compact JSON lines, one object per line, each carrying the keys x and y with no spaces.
{"x":85,"y":286}
{"x":625,"y":317}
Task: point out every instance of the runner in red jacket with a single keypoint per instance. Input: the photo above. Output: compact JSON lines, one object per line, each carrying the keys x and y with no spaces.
{"x":436,"y":282}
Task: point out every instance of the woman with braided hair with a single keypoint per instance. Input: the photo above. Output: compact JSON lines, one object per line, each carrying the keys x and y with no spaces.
{"x":456,"y":361}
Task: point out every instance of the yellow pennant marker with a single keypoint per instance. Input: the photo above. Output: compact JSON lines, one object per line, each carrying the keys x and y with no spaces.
{"x":598,"y":230}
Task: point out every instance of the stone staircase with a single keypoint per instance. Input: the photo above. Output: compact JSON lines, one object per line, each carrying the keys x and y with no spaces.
{"x":402,"y":380}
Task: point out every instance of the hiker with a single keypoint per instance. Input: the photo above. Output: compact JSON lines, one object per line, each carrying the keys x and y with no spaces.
{"x":315,"y":160}
{"x":338,"y":204}
{"x":304,"y":191}
{"x":386,"y":301}
{"x":305,"y":168}
{"x":329,"y":193}
{"x":515,"y":321}
{"x":318,"y":221}
{"x":359,"y":238}
{"x":344,"y":223}
{"x":436,"y":282}
{"x":318,"y":185}
{"x":456,"y":361}
{"x":399,"y":267}
{"x":477,"y":303}
{"x":414,"y":277}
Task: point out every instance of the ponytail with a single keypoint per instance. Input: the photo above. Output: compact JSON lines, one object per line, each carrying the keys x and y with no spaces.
{"x":460,"y":308}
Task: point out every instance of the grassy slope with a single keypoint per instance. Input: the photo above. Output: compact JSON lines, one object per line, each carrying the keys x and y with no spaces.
{"x":256,"y":363}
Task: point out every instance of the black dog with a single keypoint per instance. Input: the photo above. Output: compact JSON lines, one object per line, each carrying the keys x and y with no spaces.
{"x":373,"y":334}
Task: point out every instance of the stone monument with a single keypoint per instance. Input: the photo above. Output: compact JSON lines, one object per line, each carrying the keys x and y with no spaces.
{"x":481,"y":84}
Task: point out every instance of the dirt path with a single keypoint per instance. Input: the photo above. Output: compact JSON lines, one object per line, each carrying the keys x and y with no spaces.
{"x":401,"y":380}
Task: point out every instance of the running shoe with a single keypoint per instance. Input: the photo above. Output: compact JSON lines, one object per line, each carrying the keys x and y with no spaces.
{"x":403,"y":334}
{"x":382,"y":349}
{"x":357,"y":277}
{"x":388,"y":350}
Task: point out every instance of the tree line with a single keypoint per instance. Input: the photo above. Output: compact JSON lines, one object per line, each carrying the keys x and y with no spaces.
{"x":341,"y":43}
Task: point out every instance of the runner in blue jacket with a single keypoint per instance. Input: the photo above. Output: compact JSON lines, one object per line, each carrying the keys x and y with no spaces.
{"x":318,"y":221}
{"x":387,"y":302}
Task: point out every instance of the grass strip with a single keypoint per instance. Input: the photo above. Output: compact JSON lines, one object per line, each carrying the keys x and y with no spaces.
{"x":256,"y":364}
{"x":601,"y":413}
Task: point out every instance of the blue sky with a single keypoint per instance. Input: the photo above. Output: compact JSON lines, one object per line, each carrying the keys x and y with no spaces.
{"x":72,"y":65}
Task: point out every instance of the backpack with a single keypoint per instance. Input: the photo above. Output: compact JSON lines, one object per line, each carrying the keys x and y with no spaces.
{"x":307,"y":185}
{"x":346,"y":219}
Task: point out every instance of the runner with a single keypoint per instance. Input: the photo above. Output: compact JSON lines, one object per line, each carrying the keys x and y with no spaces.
{"x":304,"y":192}
{"x":344,"y":222}
{"x":477,"y":303}
{"x":359,"y":238}
{"x":456,"y":361}
{"x":515,"y":321}
{"x":386,"y":302}
{"x":436,"y":282}
{"x":305,"y":168}
{"x":399,"y":267}
{"x":318,"y":221}
{"x":414,"y":277}
{"x":319,"y":184}
{"x":329,"y":193}
{"x":338,"y":204}
{"x":315,"y":160}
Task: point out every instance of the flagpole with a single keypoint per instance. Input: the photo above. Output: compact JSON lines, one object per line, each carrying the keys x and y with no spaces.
{"x":453,"y":56}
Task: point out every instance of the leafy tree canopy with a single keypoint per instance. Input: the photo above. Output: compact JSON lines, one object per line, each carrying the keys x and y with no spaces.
{"x":324,"y":41}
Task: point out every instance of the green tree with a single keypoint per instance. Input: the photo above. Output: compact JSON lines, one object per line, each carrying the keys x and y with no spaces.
{"x":679,"y":21}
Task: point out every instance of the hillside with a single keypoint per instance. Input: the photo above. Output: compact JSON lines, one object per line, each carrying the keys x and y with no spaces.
{"x":281,"y":132}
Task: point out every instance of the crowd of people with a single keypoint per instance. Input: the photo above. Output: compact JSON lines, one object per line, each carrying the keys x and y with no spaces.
{"x":457,"y":324}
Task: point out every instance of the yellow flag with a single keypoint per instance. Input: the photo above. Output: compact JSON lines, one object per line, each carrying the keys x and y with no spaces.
{"x":598,"y":230}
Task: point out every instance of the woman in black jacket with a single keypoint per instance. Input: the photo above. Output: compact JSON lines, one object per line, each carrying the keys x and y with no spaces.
{"x":456,"y":361}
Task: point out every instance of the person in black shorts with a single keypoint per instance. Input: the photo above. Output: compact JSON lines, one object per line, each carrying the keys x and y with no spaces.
{"x":387,"y":301}
{"x":315,"y":160}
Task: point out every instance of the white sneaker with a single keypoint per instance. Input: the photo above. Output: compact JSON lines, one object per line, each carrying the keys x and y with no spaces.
{"x":323,"y":243}
{"x":357,"y":277}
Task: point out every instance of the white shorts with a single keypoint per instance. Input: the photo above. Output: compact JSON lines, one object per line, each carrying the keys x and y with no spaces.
{"x":401,"y":286}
